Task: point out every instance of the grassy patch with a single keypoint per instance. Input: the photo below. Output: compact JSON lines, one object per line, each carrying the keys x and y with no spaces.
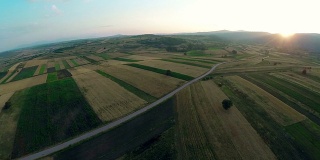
{"x":126,"y":137}
{"x":25,"y":73}
{"x":2,"y":74}
{"x":143,"y":95}
{"x":273,"y":134}
{"x":197,"y":53}
{"x":104,"y":56}
{"x":308,"y":139}
{"x":74,"y":62}
{"x":161,"y":71}
{"x":51,"y":113}
{"x":197,"y":60}
{"x":66,"y":64}
{"x":163,"y":146}
{"x":52,"y":77}
{"x":8,"y":120}
{"x":125,"y":59}
{"x":57,"y":66}
{"x":42,"y":69}
{"x":187,"y":63}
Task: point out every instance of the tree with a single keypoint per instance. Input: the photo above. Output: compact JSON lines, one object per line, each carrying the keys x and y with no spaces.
{"x":226,"y":104}
{"x":234,"y":52}
{"x":7,"y":105}
{"x":304,"y":71}
{"x":168,"y":72}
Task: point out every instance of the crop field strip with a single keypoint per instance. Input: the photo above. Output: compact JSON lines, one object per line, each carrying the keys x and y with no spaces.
{"x":128,"y":136}
{"x":285,"y":98}
{"x":192,"y":71}
{"x":94,"y":57}
{"x":188,"y":63}
{"x":141,"y":94}
{"x":197,"y":60}
{"x":273,"y":134}
{"x":25,"y":73}
{"x":61,"y":64}
{"x":281,"y":112}
{"x":125,"y":59}
{"x":109,"y":100}
{"x":161,"y":71}
{"x":57,"y":66}
{"x":89,"y":59}
{"x":51,"y":113}
{"x":71,"y":64}
{"x":75,"y":63}
{"x":244,"y":137}
{"x":52,"y":77}
{"x":66,"y":65}
{"x":3,"y":74}
{"x":152,"y":83}
{"x":297,"y":92}
{"x":8,"y":124}
{"x":11,"y":71}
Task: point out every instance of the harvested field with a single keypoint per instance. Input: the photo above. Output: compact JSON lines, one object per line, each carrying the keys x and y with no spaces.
{"x":96,"y":58}
{"x":4,"y":98}
{"x":125,"y":59}
{"x":78,"y":70}
{"x":155,"y":84}
{"x":66,"y":64}
{"x":9,"y":73}
{"x":245,"y":139}
{"x":12,"y":76}
{"x":281,"y":112}
{"x":25,"y":83}
{"x":180,"y":68}
{"x":109,"y":100}
{"x":191,"y":63}
{"x":8,"y":124}
{"x":34,"y":62}
{"x":61,"y":65}
{"x":51,"y":113}
{"x":117,"y":54}
{"x":75,"y":63}
{"x":81,"y":61}
{"x":113,"y":62}
{"x":50,"y":64}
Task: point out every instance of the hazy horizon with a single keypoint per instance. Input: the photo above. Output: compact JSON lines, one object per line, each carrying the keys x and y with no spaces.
{"x":32,"y":21}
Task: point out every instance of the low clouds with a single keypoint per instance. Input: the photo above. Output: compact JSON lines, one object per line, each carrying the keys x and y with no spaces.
{"x":55,"y":9}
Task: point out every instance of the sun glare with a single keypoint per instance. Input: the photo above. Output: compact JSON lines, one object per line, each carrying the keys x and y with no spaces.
{"x":286,"y":35}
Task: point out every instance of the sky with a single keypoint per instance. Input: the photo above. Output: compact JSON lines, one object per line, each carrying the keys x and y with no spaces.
{"x":26,"y":22}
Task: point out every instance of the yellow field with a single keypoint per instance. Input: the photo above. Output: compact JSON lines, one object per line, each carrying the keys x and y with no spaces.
{"x":279,"y":111}
{"x":81,"y":61}
{"x":175,"y":67}
{"x":16,"y":73}
{"x":32,"y":63}
{"x":226,"y":134}
{"x":22,"y":84}
{"x":4,"y":98}
{"x":70,"y":63}
{"x":50,"y":64}
{"x":78,"y":70}
{"x":109,"y":100}
{"x":61,"y":64}
{"x":245,"y":139}
{"x":152,"y":83}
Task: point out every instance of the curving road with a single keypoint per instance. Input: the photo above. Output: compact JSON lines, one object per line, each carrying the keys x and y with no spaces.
{"x":94,"y":132}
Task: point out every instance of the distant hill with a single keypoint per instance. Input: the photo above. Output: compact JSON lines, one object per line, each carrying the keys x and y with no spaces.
{"x":306,"y":41}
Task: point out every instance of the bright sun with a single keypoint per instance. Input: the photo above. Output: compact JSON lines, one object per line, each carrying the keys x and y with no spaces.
{"x":286,"y":35}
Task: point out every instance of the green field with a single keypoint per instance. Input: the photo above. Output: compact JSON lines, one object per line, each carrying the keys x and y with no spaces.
{"x":52,"y":77}
{"x":275,"y":135}
{"x":125,"y":59}
{"x":198,"y":60}
{"x":2,"y":74}
{"x":42,"y":69}
{"x":299,"y":93}
{"x":74,"y":62}
{"x":25,"y":73}
{"x":52,"y":113}
{"x":188,"y":63}
{"x":4,"y":81}
{"x":57,"y":66}
{"x":104,"y":56}
{"x":89,"y":59}
{"x":66,"y":65}
{"x":143,"y":95}
{"x":197,"y":53}
{"x":161,"y":71}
